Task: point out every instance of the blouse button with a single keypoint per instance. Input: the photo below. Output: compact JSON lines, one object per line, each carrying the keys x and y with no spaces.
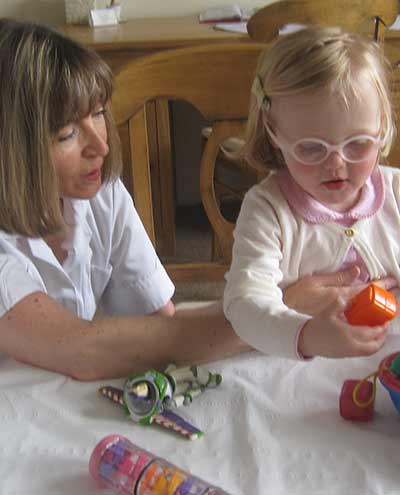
{"x":349,"y":232}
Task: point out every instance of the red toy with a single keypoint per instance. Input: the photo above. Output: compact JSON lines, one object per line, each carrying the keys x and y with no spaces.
{"x":372,"y":306}
{"x":357,"y":397}
{"x":365,"y":396}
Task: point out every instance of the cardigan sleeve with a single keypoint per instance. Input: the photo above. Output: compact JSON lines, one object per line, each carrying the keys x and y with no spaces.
{"x":253,"y":299}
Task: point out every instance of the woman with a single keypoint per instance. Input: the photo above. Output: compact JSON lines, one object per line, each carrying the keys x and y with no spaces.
{"x":70,"y":238}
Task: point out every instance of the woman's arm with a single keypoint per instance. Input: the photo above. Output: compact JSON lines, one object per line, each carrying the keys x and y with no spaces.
{"x":40,"y":332}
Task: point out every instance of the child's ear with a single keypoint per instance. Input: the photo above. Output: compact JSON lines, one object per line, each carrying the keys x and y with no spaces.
{"x":265,"y":121}
{"x":273,"y":144}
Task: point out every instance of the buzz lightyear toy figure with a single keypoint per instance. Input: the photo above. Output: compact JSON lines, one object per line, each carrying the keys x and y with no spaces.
{"x":149,"y":397}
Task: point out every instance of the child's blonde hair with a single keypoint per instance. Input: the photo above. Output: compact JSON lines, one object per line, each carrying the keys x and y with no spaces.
{"x":313,"y":59}
{"x":46,"y":82}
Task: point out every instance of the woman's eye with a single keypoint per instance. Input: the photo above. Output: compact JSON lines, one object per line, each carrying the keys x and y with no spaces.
{"x":66,"y":134}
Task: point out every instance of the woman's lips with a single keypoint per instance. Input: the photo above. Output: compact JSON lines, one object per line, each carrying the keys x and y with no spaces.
{"x":93,"y":176}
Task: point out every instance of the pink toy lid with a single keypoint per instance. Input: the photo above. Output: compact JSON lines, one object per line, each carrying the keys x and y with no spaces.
{"x":387,"y":377}
{"x":98,"y":453}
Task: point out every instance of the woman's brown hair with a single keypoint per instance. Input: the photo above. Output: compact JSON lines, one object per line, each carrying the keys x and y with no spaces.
{"x":46,"y":82}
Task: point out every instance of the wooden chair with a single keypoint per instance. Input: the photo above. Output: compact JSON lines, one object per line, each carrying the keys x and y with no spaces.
{"x":216,"y":79}
{"x":370,"y":16}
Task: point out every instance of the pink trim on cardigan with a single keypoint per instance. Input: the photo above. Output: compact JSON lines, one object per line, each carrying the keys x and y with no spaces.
{"x":371,"y":199}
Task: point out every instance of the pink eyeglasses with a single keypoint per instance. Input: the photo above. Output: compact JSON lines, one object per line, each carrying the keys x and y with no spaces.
{"x":313,"y":151}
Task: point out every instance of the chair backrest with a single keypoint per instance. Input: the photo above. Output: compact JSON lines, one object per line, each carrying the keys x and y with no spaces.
{"x":199,"y":75}
{"x":353,"y":15}
{"x":216,"y":79}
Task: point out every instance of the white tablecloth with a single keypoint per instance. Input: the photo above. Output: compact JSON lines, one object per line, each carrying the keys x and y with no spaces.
{"x":272,"y":427}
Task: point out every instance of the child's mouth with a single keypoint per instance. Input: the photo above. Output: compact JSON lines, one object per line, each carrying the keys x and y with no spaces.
{"x":334,"y":184}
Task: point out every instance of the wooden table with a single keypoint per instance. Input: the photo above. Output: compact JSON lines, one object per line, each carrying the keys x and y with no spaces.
{"x":140,"y":36}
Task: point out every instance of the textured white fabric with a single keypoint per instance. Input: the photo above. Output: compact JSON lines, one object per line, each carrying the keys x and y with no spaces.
{"x":275,"y":247}
{"x":272,"y":427}
{"x":110,"y":261}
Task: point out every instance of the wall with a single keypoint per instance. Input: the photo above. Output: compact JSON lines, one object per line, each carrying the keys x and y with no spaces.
{"x":180,"y":7}
{"x":53,"y":11}
{"x":47,"y":11}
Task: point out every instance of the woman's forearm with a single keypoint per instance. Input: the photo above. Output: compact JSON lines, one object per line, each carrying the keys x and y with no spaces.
{"x":40,"y":332}
{"x":134,"y":344}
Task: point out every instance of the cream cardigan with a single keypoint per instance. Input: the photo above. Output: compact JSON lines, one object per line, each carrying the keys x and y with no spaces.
{"x":274,"y":247}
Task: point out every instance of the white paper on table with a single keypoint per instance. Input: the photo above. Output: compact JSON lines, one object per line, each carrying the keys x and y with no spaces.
{"x":396,"y":24}
{"x":232,"y":27}
{"x":219,"y":14}
{"x":291,"y":28}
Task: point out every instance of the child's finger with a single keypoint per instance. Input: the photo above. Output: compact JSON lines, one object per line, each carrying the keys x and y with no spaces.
{"x":387,"y":283}
{"x":372,"y":346}
{"x":366,"y":334}
{"x":343,"y":278}
{"x":368,"y":346}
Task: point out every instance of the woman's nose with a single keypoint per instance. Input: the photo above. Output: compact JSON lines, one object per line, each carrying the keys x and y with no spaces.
{"x":96,"y":142}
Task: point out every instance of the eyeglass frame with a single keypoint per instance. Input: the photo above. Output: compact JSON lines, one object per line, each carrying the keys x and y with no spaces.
{"x":329,"y":147}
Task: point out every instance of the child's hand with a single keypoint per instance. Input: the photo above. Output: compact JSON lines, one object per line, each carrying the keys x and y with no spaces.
{"x":329,"y":335}
{"x":311,"y":294}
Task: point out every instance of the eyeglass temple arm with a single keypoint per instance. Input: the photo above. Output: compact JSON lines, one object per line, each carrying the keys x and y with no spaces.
{"x":380,"y":25}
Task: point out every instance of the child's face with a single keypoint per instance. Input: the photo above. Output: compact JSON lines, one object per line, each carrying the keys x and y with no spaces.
{"x":335,"y":182}
{"x":77,"y":152}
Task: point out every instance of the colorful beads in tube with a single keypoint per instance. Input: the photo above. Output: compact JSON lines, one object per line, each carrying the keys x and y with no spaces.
{"x":118,"y":463}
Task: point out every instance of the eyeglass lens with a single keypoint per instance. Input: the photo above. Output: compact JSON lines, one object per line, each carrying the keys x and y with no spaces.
{"x":354,"y":150}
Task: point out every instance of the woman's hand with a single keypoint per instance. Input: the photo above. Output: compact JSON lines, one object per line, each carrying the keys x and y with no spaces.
{"x":328,"y":334}
{"x":312,"y":294}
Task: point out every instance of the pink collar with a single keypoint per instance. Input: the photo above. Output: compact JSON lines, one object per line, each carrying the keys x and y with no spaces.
{"x":371,"y":199}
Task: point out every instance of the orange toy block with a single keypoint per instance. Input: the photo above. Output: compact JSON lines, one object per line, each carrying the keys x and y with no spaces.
{"x":372,"y":306}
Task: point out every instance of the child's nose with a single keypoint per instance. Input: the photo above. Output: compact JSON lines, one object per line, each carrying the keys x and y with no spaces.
{"x":334,"y":161}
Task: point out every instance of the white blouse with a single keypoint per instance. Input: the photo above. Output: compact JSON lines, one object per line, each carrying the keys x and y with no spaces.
{"x":111,"y":261}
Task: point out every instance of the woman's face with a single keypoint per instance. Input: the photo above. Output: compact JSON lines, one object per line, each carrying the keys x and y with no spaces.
{"x":335,"y":182}
{"x":78,"y":152}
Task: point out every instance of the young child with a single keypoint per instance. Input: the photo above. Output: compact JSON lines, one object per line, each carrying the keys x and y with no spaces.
{"x":321,"y":120}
